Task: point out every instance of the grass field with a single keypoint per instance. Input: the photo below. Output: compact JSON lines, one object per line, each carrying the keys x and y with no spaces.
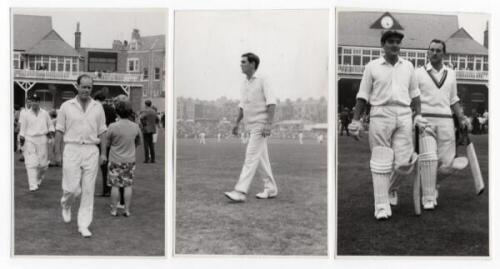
{"x":458,"y":227}
{"x":293,"y":223}
{"x":40,"y":230}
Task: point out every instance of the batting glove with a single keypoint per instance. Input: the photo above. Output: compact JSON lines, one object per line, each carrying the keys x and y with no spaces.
{"x":420,"y":122}
{"x":465,"y":123}
{"x":355,"y":127}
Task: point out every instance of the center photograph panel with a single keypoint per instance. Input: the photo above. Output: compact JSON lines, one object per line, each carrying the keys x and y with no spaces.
{"x":251,"y":89}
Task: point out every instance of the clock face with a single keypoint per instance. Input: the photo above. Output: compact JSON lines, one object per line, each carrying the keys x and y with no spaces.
{"x":387,"y":22}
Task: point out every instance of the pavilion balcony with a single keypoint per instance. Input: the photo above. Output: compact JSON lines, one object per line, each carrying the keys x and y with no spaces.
{"x":45,"y":75}
{"x":465,"y":75}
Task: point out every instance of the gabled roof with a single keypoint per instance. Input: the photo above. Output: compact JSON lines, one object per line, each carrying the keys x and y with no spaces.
{"x":419,"y":29}
{"x":152,"y":42}
{"x":53,"y":45}
{"x":29,"y":29}
{"x":461,"y":42}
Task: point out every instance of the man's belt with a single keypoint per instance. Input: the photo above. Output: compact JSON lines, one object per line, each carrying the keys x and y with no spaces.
{"x":435,"y":115}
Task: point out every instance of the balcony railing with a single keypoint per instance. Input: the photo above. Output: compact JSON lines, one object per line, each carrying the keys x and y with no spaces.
{"x":58,"y":75}
{"x":461,"y":74}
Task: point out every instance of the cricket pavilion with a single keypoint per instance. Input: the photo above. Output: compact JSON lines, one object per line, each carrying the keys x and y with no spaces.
{"x":43,"y":63}
{"x":358,"y":42}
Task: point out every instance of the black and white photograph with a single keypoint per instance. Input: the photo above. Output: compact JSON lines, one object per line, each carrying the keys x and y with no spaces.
{"x":88,"y":99}
{"x":251,"y":91}
{"x":412,"y":133}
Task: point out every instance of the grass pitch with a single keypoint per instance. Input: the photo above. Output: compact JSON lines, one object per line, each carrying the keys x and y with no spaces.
{"x":293,"y":223}
{"x":458,"y":227}
{"x":39,"y":228}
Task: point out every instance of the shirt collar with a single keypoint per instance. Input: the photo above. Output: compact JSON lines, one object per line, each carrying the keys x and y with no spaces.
{"x":429,"y":67}
{"x":384,"y":61}
{"x":75,"y":101}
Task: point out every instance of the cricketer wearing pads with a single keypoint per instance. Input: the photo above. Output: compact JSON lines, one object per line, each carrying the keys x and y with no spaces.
{"x":438,"y":87}
{"x":82,"y":122}
{"x":390,"y":86}
{"x":36,"y":128}
{"x":257,"y":106}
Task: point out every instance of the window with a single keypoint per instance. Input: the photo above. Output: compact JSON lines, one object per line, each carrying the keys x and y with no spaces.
{"x":356,"y":60}
{"x":17,"y":60}
{"x":145,"y":75}
{"x":347,"y":59}
{"x":133,"y":45}
{"x":53,"y":64}
{"x":67,"y":64}
{"x":75,"y":64}
{"x":479,"y":63}
{"x":485,"y":64}
{"x":470,"y":62}
{"x":132,"y":65}
{"x":157,"y":73}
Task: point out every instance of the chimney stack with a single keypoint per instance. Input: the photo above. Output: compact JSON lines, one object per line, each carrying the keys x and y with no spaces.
{"x":78,"y":37}
{"x":485,"y":42}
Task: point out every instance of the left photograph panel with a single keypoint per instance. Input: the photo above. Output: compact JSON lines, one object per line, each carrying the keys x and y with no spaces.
{"x":88,"y":107}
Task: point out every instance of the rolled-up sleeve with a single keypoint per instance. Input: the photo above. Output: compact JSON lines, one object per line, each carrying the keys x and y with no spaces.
{"x":365,"y":87}
{"x":453,"y":91}
{"x":268,"y":93}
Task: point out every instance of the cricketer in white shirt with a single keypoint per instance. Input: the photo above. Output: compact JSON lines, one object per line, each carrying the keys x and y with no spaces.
{"x":34,"y":130}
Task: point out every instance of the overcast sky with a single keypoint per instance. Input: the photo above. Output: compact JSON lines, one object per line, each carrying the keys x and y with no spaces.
{"x":292,"y":46}
{"x":100,"y":27}
{"x":474,"y":24}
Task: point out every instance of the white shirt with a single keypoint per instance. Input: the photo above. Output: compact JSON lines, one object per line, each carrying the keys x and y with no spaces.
{"x":78,"y":126}
{"x":434,"y":99}
{"x":387,"y":84}
{"x":35,"y":125}
{"x":256,"y":95}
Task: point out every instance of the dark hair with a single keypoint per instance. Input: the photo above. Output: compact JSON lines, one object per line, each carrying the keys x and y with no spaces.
{"x":53,"y":113}
{"x":80,"y":77}
{"x":252,"y":58}
{"x":147,"y":102}
{"x":99,"y":96}
{"x":123,"y":109}
{"x":439,"y":42}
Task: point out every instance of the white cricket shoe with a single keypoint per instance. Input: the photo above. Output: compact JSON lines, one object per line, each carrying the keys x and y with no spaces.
{"x":66,"y":214}
{"x":382,"y":213}
{"x":429,"y":205}
{"x":85,"y":232}
{"x":267,"y":194}
{"x":393,"y":198}
{"x":236,"y":196}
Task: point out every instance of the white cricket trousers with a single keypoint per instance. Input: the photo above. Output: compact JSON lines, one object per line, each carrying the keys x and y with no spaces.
{"x":256,"y":158}
{"x":80,"y":166}
{"x":36,"y":159}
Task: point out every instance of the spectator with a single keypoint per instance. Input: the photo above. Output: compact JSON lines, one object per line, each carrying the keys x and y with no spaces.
{"x":123,"y":137}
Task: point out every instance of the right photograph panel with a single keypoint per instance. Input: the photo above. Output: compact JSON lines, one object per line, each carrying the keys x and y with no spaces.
{"x":412,"y":133}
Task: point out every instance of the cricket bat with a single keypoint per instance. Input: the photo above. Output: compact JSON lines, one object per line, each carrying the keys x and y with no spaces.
{"x":474,"y":166}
